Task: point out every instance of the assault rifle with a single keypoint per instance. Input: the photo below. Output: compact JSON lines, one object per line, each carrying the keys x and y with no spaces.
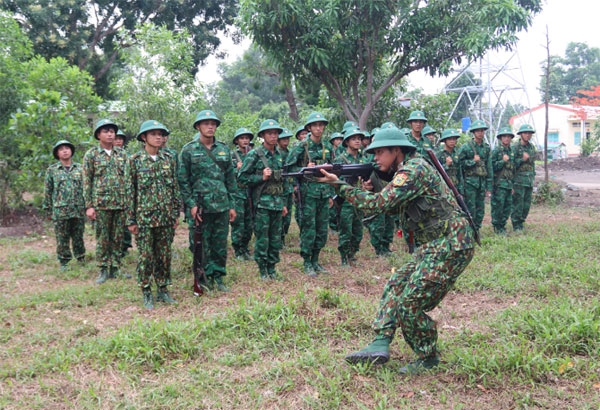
{"x":457,"y":195}
{"x":350,"y":171}
{"x":200,"y":281}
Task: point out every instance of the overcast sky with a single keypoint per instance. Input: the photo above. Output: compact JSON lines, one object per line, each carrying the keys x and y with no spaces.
{"x":567,"y":21}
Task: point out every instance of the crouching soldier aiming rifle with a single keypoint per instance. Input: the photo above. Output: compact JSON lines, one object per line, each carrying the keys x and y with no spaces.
{"x":444,"y":246}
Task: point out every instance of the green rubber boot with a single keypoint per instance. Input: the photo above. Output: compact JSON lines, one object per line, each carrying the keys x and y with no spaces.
{"x":162,"y":295}
{"x":378,"y":352}
{"x":420,"y":365}
{"x":148,"y":299}
{"x":102,"y":277}
{"x":264,"y":273}
{"x":309,"y":269}
{"x":220,"y":284}
{"x":316,"y":265}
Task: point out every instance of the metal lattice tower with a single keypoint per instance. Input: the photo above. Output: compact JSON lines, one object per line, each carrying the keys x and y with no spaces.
{"x":488,"y":86}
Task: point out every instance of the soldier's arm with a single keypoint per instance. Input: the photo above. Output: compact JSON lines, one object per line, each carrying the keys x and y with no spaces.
{"x":88,"y":179}
{"x":48,"y":190}
{"x":247,"y":174}
{"x":177,"y":203}
{"x":230,"y":183}
{"x":186,"y":187}
{"x":131,"y":192}
{"x":490,"y":172}
{"x":293,"y":160}
{"x":466,"y":156}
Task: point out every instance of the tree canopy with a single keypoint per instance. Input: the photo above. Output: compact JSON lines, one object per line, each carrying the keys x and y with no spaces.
{"x":87,"y":33}
{"x":347,"y":43}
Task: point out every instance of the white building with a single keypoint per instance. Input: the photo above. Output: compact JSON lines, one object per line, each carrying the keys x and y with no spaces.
{"x":567,"y":124}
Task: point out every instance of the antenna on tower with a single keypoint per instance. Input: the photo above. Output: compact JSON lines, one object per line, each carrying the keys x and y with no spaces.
{"x":491,"y":89}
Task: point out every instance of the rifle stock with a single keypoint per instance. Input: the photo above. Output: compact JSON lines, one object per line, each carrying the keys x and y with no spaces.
{"x":200,"y":281}
{"x":457,"y":195}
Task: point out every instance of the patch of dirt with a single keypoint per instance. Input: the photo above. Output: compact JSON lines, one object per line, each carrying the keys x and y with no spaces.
{"x":20,"y":223}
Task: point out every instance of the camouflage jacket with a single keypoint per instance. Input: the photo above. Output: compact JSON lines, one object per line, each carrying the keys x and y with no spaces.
{"x":63,"y":192}
{"x":346,"y":158}
{"x":453,"y":170}
{"x":153,"y":192}
{"x":504,"y":171}
{"x":424,"y":204}
{"x":422,"y":145}
{"x":174,"y":154}
{"x":265,"y":194}
{"x":480,"y":169}
{"x":199,"y":173}
{"x":288,"y":188}
{"x":105,"y":178}
{"x":238,"y":156}
{"x":524,"y":170}
{"x":309,"y":151}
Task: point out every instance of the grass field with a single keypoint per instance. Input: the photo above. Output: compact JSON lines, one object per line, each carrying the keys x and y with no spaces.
{"x":520,"y":330}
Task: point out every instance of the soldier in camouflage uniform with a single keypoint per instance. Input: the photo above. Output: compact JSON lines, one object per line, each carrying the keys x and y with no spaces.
{"x":241,"y":228}
{"x":447,"y":154}
{"x":444,"y":243}
{"x":503,"y":164}
{"x":153,"y":211}
{"x":121,"y":141}
{"x":350,"y":226}
{"x":105,"y":177}
{"x":524,"y":176}
{"x":316,"y":198}
{"x":430,"y":133}
{"x":283,"y":142}
{"x":63,"y":199}
{"x":301,"y":133}
{"x":205,"y":168}
{"x":416,"y":121}
{"x":261,"y":171}
{"x":475,"y":162}
{"x":337,"y":149}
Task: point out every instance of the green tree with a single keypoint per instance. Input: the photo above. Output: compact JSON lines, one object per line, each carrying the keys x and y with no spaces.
{"x":86,"y":33}
{"x":578,"y":70}
{"x":346,"y":43}
{"x":156,"y":83}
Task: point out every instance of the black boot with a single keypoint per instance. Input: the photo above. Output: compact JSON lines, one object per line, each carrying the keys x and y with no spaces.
{"x":316,"y":265}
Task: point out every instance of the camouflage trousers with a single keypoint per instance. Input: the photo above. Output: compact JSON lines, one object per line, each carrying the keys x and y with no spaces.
{"x":267,"y":228}
{"x":381,"y":230}
{"x":350,"y":230}
{"x":69,"y":232}
{"x":109,"y":237}
{"x":521,"y":202}
{"x":287,"y":220}
{"x":127,"y":240}
{"x":501,"y":208}
{"x":214,"y":237}
{"x":333,"y":218}
{"x":314,"y":224}
{"x":475,"y":198}
{"x":154,"y":247}
{"x":418,"y":287}
{"x":241,"y":228}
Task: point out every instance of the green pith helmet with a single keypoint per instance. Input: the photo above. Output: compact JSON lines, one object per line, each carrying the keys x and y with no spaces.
{"x":525,"y":128}
{"x":367,"y":135}
{"x":449,"y":133}
{"x":416,"y":115}
{"x":299,"y":130}
{"x":206,"y":115}
{"x":315,"y":117}
{"x":285,"y":134}
{"x":388,"y":124}
{"x":505,"y":131}
{"x":58,"y":144}
{"x":428,"y":130}
{"x":406,"y":131}
{"x":374,"y":131}
{"x":105,"y":122}
{"x":121,"y":134}
{"x":348,"y":125}
{"x":478,"y":125}
{"x":335,"y":135}
{"x":149,"y":126}
{"x":269,"y":125}
{"x":242,"y":131}
{"x":389,"y":137}
{"x":350,"y":132}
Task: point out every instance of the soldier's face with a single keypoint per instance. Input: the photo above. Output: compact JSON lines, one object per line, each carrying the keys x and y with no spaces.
{"x":64,"y":152}
{"x":365,"y":142}
{"x":505,"y":140}
{"x":387,"y":157}
{"x":478,"y":134}
{"x":154,"y":138}
{"x":302,"y":135}
{"x":119,"y":142}
{"x":243,"y":141}
{"x":526,"y":136}
{"x":417,"y":125}
{"x":283,"y":142}
{"x":106,"y":135}
{"x":316,"y":129}
{"x":207,"y":128}
{"x":354,"y":142}
{"x":270,"y":138}
{"x":336,"y":142}
{"x":451,"y":142}
{"x":431,"y":137}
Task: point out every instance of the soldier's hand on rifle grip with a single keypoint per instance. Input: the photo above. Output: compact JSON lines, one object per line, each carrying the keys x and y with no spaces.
{"x":327,"y":177}
{"x":285,"y":211}
{"x":194,"y":211}
{"x":448,"y":160}
{"x":476,"y":158}
{"x":311,"y":164}
{"x":525,"y":156}
{"x":267,"y":174}
{"x":239,"y":164}
{"x":133,"y":229}
{"x":91,"y":213}
{"x":232,"y":215}
{"x":367,"y":185}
